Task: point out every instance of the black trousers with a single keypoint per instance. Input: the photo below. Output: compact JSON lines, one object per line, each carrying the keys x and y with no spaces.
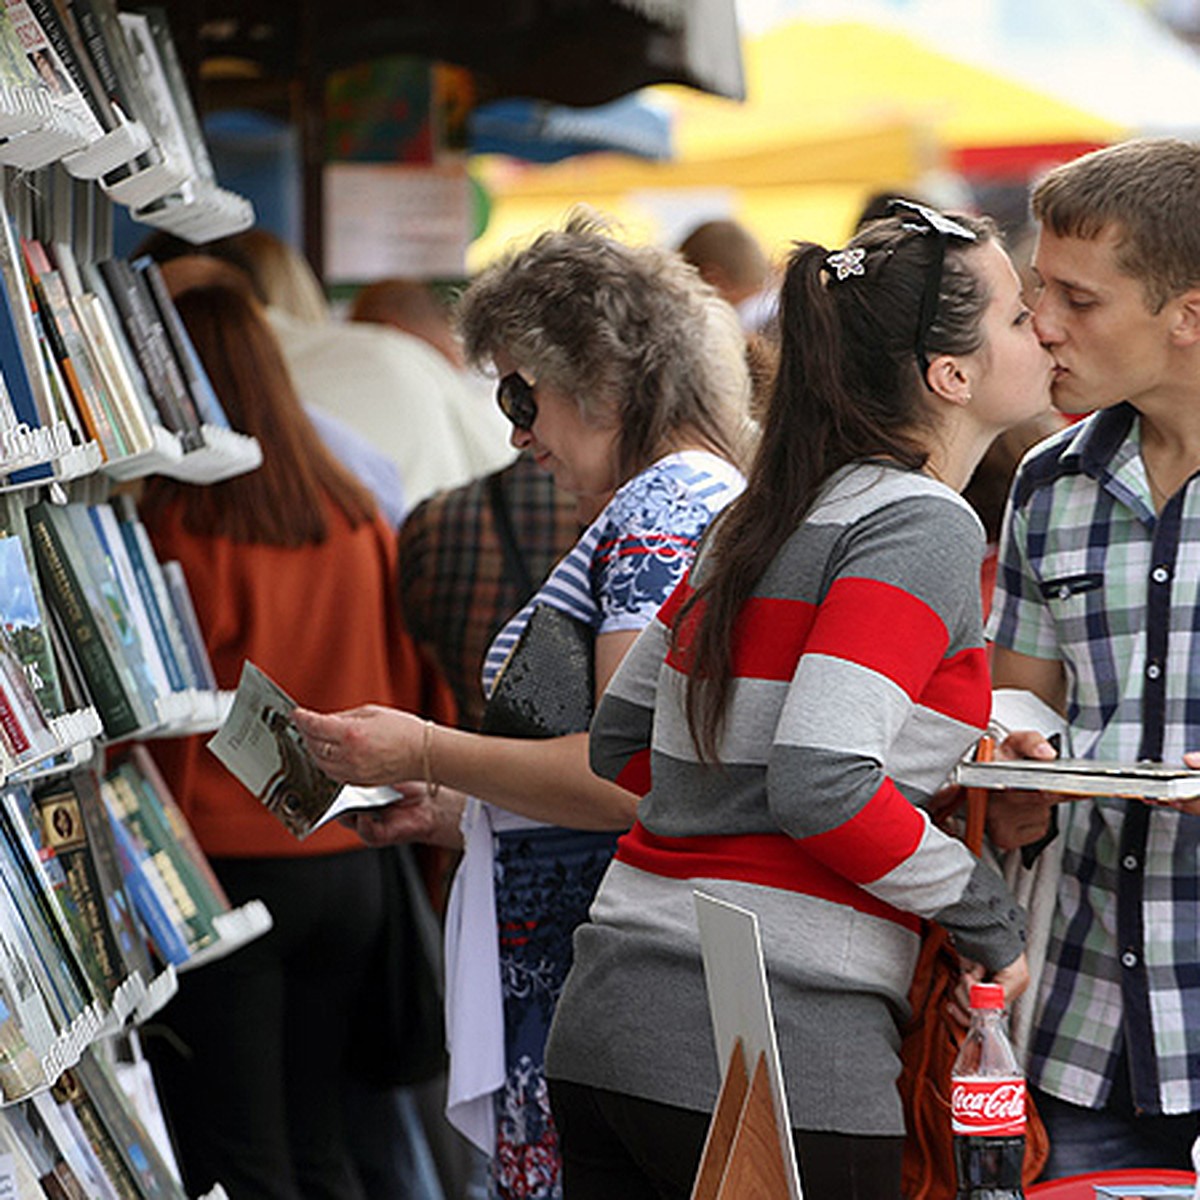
{"x":250,"y":1055}
{"x":617,"y":1145}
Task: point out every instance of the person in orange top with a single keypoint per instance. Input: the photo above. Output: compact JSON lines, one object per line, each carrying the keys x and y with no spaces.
{"x":292,"y":568}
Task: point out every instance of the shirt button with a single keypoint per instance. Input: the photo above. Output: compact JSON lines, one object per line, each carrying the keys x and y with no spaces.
{"x":1153,"y":671}
{"x":1160,"y":574}
{"x":1129,"y":959}
{"x":1130,"y":862}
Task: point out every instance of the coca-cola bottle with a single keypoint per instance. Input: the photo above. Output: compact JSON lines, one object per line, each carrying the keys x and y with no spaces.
{"x":987,"y":1100}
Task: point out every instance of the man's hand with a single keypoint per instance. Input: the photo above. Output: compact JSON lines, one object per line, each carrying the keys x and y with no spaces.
{"x":1020,"y":818}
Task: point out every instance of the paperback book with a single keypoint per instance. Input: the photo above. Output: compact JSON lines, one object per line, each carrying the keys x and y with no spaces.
{"x":1084,"y":777}
{"x":259,"y":744}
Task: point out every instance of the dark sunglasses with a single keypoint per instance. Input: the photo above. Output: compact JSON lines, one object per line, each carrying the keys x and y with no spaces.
{"x":922,"y":220}
{"x":514,"y":394}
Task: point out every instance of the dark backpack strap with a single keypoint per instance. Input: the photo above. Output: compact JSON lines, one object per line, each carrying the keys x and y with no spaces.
{"x":516,"y":571}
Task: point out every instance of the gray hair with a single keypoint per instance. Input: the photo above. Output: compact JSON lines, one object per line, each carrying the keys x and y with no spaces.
{"x":631,"y":332}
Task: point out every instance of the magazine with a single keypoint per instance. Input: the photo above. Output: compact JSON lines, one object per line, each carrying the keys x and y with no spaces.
{"x":259,"y":744}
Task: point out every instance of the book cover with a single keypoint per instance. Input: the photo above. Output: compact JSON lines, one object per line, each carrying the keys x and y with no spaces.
{"x":97,"y":288}
{"x":152,"y":901}
{"x":54,"y":965}
{"x":45,"y":871}
{"x":125,"y":1129}
{"x":108,"y":535}
{"x":208,"y":406}
{"x":71,"y":597}
{"x":47,"y":60}
{"x":64,"y":836}
{"x":63,"y":38}
{"x":119,"y":906}
{"x":26,"y":1029}
{"x":115,"y":614}
{"x":1084,"y":777}
{"x":149,"y":342}
{"x":163,"y":826}
{"x":22,"y":610}
{"x":143,"y":761}
{"x":111,"y":367}
{"x":185,"y":615}
{"x":23,"y":719}
{"x":192,"y":903}
{"x":56,"y":1176}
{"x":151,"y":601}
{"x":70,"y":348}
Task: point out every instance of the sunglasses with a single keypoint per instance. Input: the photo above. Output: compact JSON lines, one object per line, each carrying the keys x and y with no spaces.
{"x":922,"y":220}
{"x":514,"y":395}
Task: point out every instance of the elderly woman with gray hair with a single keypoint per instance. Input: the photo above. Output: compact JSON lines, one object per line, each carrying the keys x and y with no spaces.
{"x":623,"y":375}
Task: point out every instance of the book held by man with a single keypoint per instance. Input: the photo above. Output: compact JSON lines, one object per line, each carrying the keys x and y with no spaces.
{"x":1084,"y":777}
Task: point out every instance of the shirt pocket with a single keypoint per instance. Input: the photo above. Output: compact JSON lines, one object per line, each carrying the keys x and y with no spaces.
{"x":1065,"y":587}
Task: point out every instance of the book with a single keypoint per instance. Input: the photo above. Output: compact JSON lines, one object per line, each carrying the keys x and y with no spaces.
{"x":72,"y":353}
{"x":261,"y":747}
{"x":189,"y":625}
{"x":73,"y":598}
{"x":1084,"y":777}
{"x":122,"y":919}
{"x":148,"y":339}
{"x":110,"y":541}
{"x":156,"y":595}
{"x":208,"y":406}
{"x":152,"y":899}
{"x":62,"y":899}
{"x":56,"y":1176}
{"x":22,"y":611}
{"x":62,"y":36}
{"x":64,"y":835}
{"x":27,"y":1031}
{"x":47,"y":57}
{"x":142,"y":813}
{"x":110,"y":1120}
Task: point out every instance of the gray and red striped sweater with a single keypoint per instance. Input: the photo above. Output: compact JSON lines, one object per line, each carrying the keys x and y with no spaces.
{"x":860,"y":679}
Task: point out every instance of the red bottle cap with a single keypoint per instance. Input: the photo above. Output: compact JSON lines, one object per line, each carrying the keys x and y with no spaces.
{"x":987,"y":995}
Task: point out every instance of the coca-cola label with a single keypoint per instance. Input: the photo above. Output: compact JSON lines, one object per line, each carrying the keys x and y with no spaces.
{"x":987,"y":1106}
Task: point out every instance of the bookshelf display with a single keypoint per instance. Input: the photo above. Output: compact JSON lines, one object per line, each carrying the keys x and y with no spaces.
{"x":104,"y":894}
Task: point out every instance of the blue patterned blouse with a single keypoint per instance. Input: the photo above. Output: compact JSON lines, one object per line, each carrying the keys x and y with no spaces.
{"x":628,"y":561}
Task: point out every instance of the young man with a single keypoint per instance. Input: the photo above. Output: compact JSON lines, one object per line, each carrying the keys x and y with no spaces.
{"x":1097,"y":611}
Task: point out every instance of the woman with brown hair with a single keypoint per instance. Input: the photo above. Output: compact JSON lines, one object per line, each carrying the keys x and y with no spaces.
{"x":289,"y":567}
{"x":794,"y":707}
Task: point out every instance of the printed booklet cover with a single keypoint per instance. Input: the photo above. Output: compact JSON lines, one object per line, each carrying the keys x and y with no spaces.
{"x":259,"y":744}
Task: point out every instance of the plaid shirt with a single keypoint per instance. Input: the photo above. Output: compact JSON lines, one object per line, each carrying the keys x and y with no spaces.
{"x":454,"y":589}
{"x":1091,"y":576}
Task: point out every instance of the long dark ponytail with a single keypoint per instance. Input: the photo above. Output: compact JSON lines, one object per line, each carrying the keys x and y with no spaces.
{"x":847,"y":388}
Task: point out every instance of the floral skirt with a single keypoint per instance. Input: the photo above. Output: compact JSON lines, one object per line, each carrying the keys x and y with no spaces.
{"x":545,"y":882}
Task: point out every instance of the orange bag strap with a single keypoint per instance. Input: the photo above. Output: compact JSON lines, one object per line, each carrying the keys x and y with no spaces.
{"x":977,"y":800}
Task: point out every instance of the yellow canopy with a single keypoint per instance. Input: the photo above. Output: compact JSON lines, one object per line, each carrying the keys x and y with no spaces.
{"x":835,"y":111}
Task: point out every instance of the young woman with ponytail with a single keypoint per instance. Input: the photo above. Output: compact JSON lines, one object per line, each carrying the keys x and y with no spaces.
{"x":789,"y":714}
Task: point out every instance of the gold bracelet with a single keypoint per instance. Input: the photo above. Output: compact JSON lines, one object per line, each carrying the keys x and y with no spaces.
{"x":431,"y":785}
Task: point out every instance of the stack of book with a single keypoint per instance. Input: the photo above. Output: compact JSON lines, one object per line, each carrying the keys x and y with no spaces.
{"x":105,"y":894}
{"x":98,"y":369}
{"x":98,"y":638}
{"x":102,"y":92}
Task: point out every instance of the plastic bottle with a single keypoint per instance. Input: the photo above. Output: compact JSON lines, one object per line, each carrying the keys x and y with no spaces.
{"x":987,"y":1100}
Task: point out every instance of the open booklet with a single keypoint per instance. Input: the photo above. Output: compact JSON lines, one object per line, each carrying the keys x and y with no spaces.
{"x":259,"y":744}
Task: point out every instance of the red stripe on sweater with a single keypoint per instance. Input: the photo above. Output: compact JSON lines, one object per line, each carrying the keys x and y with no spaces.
{"x":882,"y":628}
{"x":961,"y":688}
{"x":635,"y":775}
{"x":876,"y":840}
{"x":768,"y":860}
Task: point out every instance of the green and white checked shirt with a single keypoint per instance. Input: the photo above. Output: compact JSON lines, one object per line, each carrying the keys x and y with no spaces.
{"x":1089,"y":575}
